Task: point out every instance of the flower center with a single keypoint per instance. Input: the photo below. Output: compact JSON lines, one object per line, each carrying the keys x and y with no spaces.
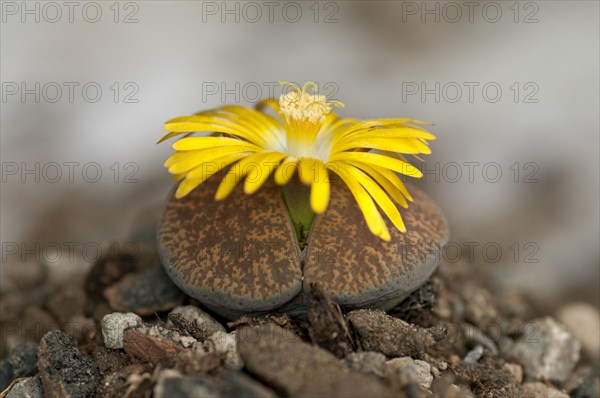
{"x":303,"y":114}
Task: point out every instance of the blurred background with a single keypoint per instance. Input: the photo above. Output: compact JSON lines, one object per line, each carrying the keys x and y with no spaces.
{"x":512,"y":87}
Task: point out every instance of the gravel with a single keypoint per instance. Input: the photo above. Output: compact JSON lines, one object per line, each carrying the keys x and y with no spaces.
{"x":549,"y":353}
{"x":225,"y":384}
{"x":295,"y":368}
{"x":113,"y":326}
{"x":583,"y":321}
{"x":226,"y":345}
{"x":28,"y":388}
{"x":474,"y":355}
{"x":6,"y":374}
{"x":144,"y":293}
{"x":415,"y":371}
{"x":369,"y":362}
{"x":24,"y":360}
{"x":539,"y":390}
{"x":428,"y":346}
{"x":154,"y":344}
{"x":194,"y":321}
{"x":65,"y":371}
{"x":393,"y":337}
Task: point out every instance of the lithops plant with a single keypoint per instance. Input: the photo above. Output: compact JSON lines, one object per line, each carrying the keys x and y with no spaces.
{"x":255,"y":247}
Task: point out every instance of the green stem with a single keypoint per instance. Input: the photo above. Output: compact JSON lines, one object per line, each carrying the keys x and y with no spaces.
{"x":297,"y":199}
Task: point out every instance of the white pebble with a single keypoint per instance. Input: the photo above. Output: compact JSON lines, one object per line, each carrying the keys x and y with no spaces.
{"x":113,"y":326}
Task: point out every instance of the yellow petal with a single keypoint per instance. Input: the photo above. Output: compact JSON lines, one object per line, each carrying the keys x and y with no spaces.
{"x":381,"y":179}
{"x":271,"y":103}
{"x":403,"y":145}
{"x":265,"y":166}
{"x":236,"y":174}
{"x":379,"y":195}
{"x":171,"y":135}
{"x":207,"y":122}
{"x":391,"y":122}
{"x":319,"y":192}
{"x":203,"y":172}
{"x":285,"y":171}
{"x":393,"y":177}
{"x":365,"y":202}
{"x":379,"y":160}
{"x":195,"y":143}
{"x":183,"y":161}
{"x":306,"y":170}
{"x":402,"y":132}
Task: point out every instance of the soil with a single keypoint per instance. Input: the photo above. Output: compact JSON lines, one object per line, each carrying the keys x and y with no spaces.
{"x":453,"y":337}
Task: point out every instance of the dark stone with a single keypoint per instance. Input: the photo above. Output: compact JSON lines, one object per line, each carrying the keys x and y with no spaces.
{"x":28,"y":388}
{"x":24,"y":359}
{"x":391,"y":336}
{"x":222,"y":385}
{"x":589,"y":387}
{"x":65,"y":371}
{"x":108,"y":270}
{"x":6,"y":374}
{"x":140,"y":345}
{"x":144,"y":293}
{"x":195,"y":322}
{"x":488,"y":378}
{"x":294,"y":368}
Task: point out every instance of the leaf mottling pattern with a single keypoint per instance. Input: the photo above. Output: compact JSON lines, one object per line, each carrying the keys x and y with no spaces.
{"x":359,"y":269}
{"x":239,"y":253}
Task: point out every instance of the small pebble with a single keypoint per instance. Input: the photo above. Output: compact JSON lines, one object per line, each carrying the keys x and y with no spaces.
{"x":144,"y":293}
{"x":424,"y":373}
{"x":541,"y":390}
{"x":24,"y":359}
{"x":6,"y":374}
{"x":197,"y":323}
{"x":366,"y":362}
{"x":154,"y":343}
{"x":474,"y":355}
{"x":589,"y":386}
{"x":391,"y":336}
{"x":65,"y":371}
{"x":412,"y":371}
{"x":150,"y":349}
{"x":226,"y":344}
{"x":294,"y":368}
{"x":583,"y":321}
{"x":515,"y":370}
{"x":549,"y":352}
{"x":474,"y":335}
{"x":28,"y":388}
{"x":113,"y":326}
{"x":225,"y":384}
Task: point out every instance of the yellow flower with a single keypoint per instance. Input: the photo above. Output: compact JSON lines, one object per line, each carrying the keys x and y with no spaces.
{"x":309,"y":138}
